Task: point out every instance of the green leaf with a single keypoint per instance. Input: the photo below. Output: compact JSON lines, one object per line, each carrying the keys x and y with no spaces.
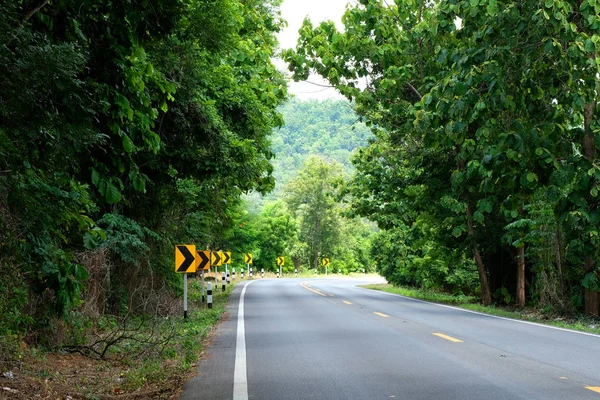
{"x":128,"y":144}
{"x":112,"y":194}
{"x":590,"y":281}
{"x":80,"y":273}
{"x":457,"y":232}
{"x":139,"y":183}
{"x":492,"y":8}
{"x":95,"y":177}
{"x":442,"y":56}
{"x":531,"y":177}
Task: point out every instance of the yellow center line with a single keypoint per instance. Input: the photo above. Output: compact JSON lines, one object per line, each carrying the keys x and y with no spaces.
{"x":381,"y":314}
{"x":313,"y":290}
{"x":450,"y":338}
{"x":593,"y":388}
{"x":330,"y":295}
{"x":347,"y":302}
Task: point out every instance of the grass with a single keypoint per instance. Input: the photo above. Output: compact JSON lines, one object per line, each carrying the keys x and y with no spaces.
{"x":152,"y":363}
{"x":579,"y":323}
{"x":178,"y":357}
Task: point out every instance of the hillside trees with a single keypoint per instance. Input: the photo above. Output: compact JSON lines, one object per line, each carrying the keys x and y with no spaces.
{"x":481,"y":108}
{"x":328,"y":128}
{"x":130,"y":123}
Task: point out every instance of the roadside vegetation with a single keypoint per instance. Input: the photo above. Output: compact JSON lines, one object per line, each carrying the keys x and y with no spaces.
{"x":129,"y":357}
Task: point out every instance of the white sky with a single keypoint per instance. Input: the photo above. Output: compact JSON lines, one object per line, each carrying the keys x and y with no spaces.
{"x":294,"y":12}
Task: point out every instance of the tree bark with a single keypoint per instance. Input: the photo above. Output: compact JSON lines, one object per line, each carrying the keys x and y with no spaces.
{"x":486,"y":297}
{"x":559,"y":244}
{"x":589,"y":149}
{"x":591,"y":296}
{"x":521,"y":276}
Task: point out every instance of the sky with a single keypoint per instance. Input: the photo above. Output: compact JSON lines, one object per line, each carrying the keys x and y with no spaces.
{"x":294,"y":12}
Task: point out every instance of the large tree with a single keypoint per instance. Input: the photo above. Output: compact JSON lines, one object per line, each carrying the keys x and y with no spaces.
{"x":481,"y":104}
{"x":311,"y":199}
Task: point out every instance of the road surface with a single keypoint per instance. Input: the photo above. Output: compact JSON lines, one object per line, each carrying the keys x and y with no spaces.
{"x":328,"y":339}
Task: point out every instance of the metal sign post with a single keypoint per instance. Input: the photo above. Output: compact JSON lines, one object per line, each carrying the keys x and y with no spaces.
{"x":184,"y":296}
{"x":203,"y":286}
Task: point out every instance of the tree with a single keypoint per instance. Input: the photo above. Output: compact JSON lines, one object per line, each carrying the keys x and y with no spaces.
{"x":277,"y":234}
{"x":476,"y":117}
{"x":310,"y":198}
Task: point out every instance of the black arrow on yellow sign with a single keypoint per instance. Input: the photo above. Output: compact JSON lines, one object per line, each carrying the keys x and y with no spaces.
{"x":203,"y":259}
{"x":226,"y":257}
{"x":216,"y":258}
{"x":187,"y":263}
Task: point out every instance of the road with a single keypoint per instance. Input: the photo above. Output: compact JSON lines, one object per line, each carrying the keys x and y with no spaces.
{"x":328,"y":339}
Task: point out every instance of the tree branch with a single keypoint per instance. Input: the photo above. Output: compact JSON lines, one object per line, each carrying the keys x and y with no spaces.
{"x":414,"y":90}
{"x":35,"y":11}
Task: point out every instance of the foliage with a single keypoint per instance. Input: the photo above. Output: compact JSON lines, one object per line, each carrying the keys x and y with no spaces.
{"x":126,"y":126}
{"x":478,"y":108}
{"x":311,"y":199}
{"x":276,"y":232}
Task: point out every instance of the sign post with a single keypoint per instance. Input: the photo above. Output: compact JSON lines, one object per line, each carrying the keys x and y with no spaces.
{"x":185,"y":263}
{"x":184,"y":296}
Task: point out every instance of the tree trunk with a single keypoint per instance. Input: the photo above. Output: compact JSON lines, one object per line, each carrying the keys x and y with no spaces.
{"x":589,"y":149}
{"x":521,"y":276}
{"x":591,"y":296}
{"x":316,"y":260}
{"x":559,"y":244}
{"x":486,"y":297}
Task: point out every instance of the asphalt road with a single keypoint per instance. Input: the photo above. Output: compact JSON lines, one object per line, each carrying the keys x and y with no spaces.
{"x":327,"y":339}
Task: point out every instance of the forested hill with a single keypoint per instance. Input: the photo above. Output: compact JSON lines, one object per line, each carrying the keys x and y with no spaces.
{"x":327,"y":128}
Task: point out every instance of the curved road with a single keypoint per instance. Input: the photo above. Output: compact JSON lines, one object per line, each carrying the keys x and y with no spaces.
{"x":327,"y":339}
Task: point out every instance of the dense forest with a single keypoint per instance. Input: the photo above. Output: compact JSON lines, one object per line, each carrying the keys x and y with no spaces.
{"x":485,"y":158}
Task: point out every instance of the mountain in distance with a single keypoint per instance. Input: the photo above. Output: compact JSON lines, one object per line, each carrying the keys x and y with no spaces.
{"x":328,"y":128}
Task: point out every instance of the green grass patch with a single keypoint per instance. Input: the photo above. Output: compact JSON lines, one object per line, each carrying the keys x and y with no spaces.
{"x":429,"y":295}
{"x":579,"y":323}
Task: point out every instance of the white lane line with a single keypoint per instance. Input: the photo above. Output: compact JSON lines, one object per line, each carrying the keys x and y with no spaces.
{"x":240,"y":376}
{"x":479,"y":313}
